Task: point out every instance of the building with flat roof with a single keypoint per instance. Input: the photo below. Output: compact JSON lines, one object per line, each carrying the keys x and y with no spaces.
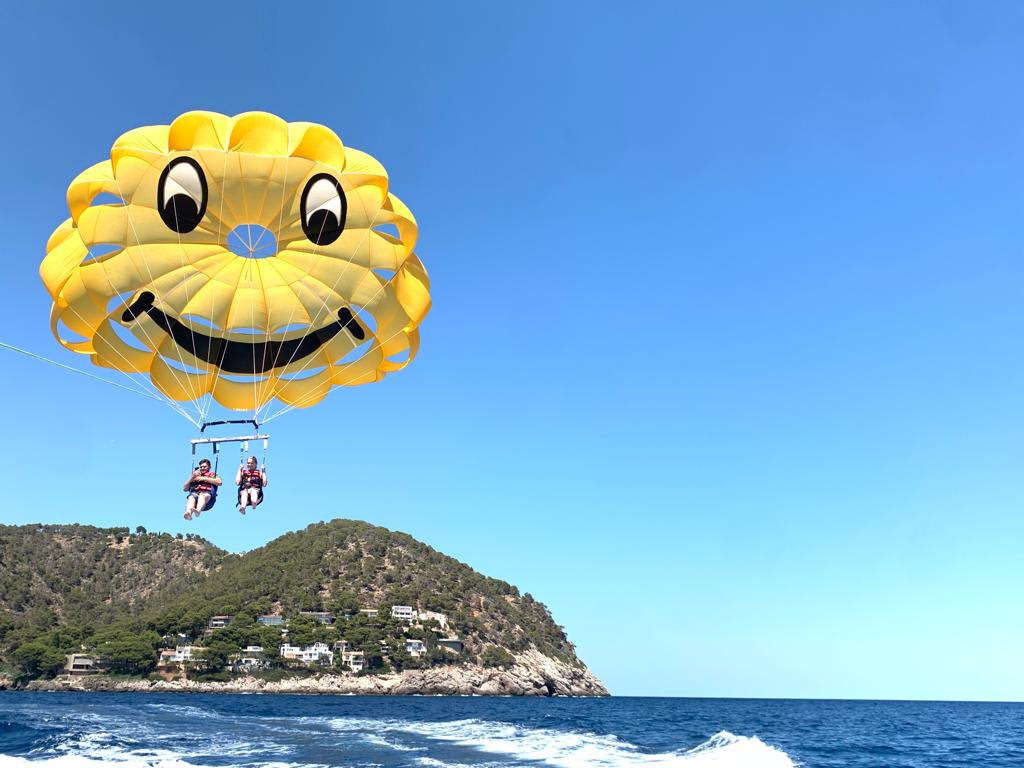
{"x":271,"y":619}
{"x":324,"y":617}
{"x":80,"y":664}
{"x":403,"y":612}
{"x":353,"y":660}
{"x":415,"y":647}
{"x":317,"y":653}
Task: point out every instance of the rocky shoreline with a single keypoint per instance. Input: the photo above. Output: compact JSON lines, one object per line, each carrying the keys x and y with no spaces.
{"x":533,"y":674}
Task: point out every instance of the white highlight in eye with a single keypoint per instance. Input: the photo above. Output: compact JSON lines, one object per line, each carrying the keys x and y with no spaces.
{"x":183,"y":179}
{"x":323,"y":195}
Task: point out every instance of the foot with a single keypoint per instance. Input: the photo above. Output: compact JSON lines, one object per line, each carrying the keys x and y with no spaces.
{"x":241,"y":510}
{"x":188,"y":515}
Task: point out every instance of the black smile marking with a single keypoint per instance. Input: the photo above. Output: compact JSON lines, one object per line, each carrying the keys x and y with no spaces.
{"x":240,"y":356}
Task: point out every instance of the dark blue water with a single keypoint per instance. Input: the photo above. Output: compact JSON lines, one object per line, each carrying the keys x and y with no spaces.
{"x":60,"y":730}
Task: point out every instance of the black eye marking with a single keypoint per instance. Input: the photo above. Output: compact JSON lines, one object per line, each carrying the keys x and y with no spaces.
{"x":181,"y":195}
{"x":323,"y":209}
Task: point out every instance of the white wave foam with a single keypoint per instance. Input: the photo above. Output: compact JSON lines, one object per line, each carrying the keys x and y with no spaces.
{"x":571,"y":749}
{"x":81,"y":761}
{"x":124,"y":761}
{"x":380,"y":741}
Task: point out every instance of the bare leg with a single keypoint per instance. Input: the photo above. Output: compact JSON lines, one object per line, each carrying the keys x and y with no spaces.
{"x":256,"y":498}
{"x":190,"y":506}
{"x":201,"y":503}
{"x":249,"y":496}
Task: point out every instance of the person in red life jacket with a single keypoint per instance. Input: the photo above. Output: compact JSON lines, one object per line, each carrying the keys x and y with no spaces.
{"x":201,"y":487}
{"x":251,"y":482}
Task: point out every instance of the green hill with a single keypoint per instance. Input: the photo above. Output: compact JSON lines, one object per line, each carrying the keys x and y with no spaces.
{"x":122,"y":595}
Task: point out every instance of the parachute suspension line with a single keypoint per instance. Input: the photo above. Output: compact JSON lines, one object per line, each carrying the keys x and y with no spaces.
{"x":205,"y":408}
{"x":299,"y":403}
{"x":155,"y":347}
{"x":318,"y":255}
{"x":380,"y":289}
{"x":139,"y":392}
{"x":316,"y":318}
{"x":252,"y":270}
{"x":157,"y":393}
{"x":150,"y":392}
{"x":270,"y":298}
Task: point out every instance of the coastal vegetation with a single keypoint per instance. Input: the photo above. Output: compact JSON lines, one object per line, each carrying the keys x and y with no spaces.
{"x":344,"y":596}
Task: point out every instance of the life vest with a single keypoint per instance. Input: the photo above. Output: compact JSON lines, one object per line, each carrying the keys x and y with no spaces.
{"x":200,"y":487}
{"x":251,"y":478}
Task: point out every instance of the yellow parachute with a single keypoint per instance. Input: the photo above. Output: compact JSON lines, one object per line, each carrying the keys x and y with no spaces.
{"x":245,"y":258}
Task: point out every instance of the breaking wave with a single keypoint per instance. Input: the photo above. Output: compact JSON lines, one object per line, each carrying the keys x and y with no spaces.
{"x":570,"y":749}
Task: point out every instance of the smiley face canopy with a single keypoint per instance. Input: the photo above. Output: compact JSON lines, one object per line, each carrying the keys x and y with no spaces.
{"x":243,"y":258}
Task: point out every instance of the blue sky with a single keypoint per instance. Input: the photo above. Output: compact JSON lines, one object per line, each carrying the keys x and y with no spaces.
{"x":725,"y":359}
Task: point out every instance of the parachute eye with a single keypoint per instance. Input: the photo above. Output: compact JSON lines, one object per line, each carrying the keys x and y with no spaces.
{"x":182,"y":194}
{"x":323,"y":209}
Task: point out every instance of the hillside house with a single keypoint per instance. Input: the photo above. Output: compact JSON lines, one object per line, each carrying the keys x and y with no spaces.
{"x":415,"y":647}
{"x":344,"y":646}
{"x":219,"y":622}
{"x":370,"y":613}
{"x":317,"y":653}
{"x":179,"y":655}
{"x":451,"y":643}
{"x":80,"y":664}
{"x":271,"y":620}
{"x":250,"y":659}
{"x":403,"y":612}
{"x":324,"y":617}
{"x":353,"y":660}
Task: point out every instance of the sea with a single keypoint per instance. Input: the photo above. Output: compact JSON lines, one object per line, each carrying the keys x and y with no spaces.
{"x":177,"y":730}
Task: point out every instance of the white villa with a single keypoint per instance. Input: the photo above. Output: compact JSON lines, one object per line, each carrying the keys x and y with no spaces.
{"x":179,"y":655}
{"x":415,"y":647}
{"x":251,"y":658}
{"x":403,"y":612}
{"x":353,"y":660}
{"x":410,"y":614}
{"x":317,"y":653}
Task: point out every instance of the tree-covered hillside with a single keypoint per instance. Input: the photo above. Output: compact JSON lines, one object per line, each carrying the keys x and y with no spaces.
{"x":121,"y":596}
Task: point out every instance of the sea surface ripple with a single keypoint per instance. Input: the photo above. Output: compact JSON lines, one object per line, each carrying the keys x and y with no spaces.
{"x":77,"y":730}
